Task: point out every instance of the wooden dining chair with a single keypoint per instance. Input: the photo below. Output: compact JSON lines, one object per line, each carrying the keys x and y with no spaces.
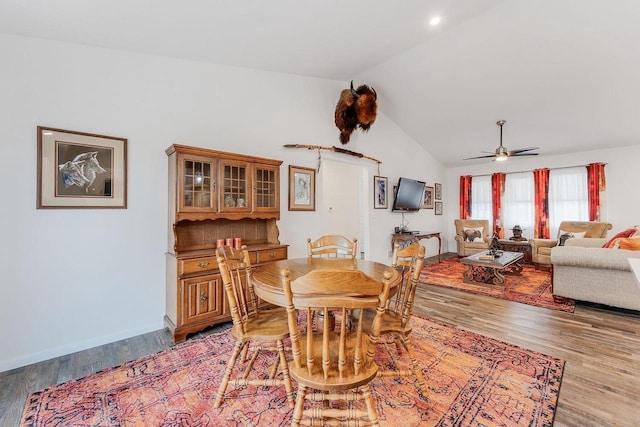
{"x":332,"y":246}
{"x":396,"y":320}
{"x":254,"y":329}
{"x":338,"y":364}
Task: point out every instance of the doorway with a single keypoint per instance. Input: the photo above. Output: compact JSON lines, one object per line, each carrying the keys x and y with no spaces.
{"x":344,"y":197}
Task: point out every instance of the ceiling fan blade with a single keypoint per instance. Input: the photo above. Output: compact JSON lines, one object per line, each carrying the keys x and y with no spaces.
{"x":522,"y":150}
{"x":523,"y":154}
{"x":480,"y":157}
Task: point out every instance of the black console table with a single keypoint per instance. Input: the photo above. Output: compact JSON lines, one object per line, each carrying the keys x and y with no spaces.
{"x":405,"y":239}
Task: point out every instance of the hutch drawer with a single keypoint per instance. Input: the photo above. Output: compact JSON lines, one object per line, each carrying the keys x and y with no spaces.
{"x":197,"y":265}
{"x":267,"y":255}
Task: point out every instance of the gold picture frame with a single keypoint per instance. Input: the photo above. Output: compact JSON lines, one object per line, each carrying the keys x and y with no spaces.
{"x":79,"y":170}
{"x":302,"y":189}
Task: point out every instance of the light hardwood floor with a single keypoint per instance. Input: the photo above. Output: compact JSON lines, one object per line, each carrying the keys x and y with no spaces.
{"x":601,"y":347}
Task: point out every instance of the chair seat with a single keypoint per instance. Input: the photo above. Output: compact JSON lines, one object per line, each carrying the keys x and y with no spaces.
{"x":348,"y":380}
{"x":391,"y":322}
{"x":268,"y":324}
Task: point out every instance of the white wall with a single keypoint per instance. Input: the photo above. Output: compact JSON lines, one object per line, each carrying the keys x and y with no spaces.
{"x":622,"y":208}
{"x":73,"y":279}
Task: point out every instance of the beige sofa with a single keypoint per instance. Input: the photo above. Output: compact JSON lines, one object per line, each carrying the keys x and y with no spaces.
{"x":584,"y":270}
{"x":541,"y":248}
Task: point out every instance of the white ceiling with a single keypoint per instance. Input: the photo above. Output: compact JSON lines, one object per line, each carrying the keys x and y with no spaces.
{"x":564,"y":74}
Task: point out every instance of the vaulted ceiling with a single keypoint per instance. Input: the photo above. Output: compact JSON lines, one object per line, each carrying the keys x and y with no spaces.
{"x":564,"y":74}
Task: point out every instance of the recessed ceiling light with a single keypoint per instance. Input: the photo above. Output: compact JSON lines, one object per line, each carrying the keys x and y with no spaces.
{"x":434,"y":21}
{"x":48,"y":133}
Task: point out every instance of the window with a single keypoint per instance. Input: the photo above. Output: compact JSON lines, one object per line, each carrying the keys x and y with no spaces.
{"x":481,"y":207}
{"x":568,"y":199}
{"x":518,"y":203}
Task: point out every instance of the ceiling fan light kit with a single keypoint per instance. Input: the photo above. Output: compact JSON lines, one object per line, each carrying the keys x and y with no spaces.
{"x":502,"y":154}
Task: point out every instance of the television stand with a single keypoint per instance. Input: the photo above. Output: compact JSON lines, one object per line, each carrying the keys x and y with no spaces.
{"x":407,"y":238}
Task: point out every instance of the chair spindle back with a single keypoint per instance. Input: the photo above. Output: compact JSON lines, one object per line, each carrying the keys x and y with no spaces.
{"x":235,"y":269}
{"x":346,"y":352}
{"x":409,"y":261}
{"x":332,"y":246}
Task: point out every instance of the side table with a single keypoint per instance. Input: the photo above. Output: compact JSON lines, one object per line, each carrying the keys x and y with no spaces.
{"x":634,"y":263}
{"x":405,"y":239}
{"x":523,"y":247}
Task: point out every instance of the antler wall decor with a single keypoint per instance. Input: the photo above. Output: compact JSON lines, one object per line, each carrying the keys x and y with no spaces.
{"x":335,"y":150}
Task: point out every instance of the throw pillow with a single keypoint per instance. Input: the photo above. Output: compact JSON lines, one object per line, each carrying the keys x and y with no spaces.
{"x":473,"y":234}
{"x":628,"y":243}
{"x":630,"y":232}
{"x":564,"y":235}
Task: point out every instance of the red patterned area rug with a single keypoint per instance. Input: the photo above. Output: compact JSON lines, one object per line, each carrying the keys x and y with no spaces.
{"x":472,"y":380}
{"x":533,"y":287}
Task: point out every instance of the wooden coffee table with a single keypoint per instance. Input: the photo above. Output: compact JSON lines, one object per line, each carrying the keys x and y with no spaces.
{"x":481,"y":271}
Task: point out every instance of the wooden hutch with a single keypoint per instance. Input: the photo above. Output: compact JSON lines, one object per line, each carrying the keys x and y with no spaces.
{"x":215,"y":195}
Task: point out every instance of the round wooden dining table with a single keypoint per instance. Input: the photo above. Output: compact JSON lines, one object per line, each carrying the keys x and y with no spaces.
{"x":267,"y":279}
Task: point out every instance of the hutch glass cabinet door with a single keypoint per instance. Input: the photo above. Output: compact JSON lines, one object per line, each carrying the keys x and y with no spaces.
{"x":236,"y":178}
{"x":266,"y":186}
{"x":197,"y":184}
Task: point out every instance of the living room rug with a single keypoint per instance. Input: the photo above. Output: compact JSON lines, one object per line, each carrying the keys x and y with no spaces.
{"x":472,"y":380}
{"x":533,"y":287}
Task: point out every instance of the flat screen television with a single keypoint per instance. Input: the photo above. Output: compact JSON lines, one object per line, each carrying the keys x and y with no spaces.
{"x":409,"y":195}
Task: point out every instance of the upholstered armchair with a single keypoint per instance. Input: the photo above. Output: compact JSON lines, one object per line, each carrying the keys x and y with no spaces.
{"x":472,"y":236}
{"x":541,"y":248}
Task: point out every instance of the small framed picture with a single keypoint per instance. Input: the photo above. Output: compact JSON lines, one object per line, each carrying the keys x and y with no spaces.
{"x":302,"y":189}
{"x":427,"y":199}
{"x":438,"y":210}
{"x":380,"y":192}
{"x":438,"y":191}
{"x":81,"y":170}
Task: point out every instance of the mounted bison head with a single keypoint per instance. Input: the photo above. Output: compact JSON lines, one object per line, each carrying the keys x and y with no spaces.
{"x":355,"y":108}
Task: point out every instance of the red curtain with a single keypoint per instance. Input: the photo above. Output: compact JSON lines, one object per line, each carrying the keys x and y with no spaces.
{"x":497,"y":190}
{"x":465,"y":196}
{"x":541,"y":188}
{"x":595,"y":184}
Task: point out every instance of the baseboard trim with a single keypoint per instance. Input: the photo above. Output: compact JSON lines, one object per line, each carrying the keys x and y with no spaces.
{"x":50,"y":353}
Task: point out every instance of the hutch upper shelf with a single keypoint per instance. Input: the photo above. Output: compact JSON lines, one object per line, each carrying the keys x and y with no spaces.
{"x":214,"y":184}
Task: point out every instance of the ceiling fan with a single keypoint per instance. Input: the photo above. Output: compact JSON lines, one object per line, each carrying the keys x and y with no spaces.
{"x":502,"y":153}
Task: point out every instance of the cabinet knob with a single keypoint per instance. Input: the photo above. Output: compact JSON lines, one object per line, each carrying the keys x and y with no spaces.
{"x":272,"y":255}
{"x":203,"y":264}
{"x":203,"y":297}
